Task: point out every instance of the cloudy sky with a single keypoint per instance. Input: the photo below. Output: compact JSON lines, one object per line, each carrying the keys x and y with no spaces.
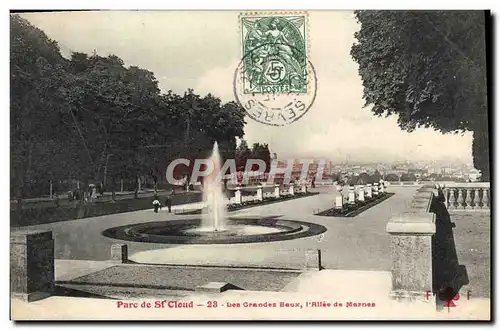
{"x":201,"y":50}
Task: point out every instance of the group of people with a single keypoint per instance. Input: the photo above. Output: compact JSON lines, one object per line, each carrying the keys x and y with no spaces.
{"x":86,"y":195}
{"x":157,"y":204}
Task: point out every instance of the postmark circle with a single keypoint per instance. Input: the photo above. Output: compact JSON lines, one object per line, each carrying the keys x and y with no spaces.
{"x":283,"y":97}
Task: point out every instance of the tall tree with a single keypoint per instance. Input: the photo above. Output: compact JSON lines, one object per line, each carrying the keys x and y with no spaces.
{"x":429,"y":69}
{"x":37,"y":69}
{"x":243,"y":153}
{"x":261,"y":151}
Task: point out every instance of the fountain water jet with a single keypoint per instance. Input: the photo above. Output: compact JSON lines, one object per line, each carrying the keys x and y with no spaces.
{"x":214,"y":213}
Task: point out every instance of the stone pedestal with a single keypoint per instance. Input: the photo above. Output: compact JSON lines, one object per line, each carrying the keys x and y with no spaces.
{"x":339,"y":202}
{"x":368,"y":190}
{"x":291,"y":190}
{"x":352,"y":195}
{"x":276,"y":191}
{"x":304,"y":188}
{"x":361,"y":194}
{"x":237,"y":196}
{"x":119,"y":253}
{"x":411,"y":253}
{"x":260,"y":196}
{"x":375,"y":189}
{"x":313,"y":259}
{"x":32,"y":265}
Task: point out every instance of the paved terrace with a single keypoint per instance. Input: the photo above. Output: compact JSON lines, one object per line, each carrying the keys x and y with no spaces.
{"x":355,"y":252}
{"x":350,"y":243}
{"x":357,"y":243}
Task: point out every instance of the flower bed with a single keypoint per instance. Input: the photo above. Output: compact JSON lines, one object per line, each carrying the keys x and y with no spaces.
{"x":351,"y":210}
{"x":266,"y":200}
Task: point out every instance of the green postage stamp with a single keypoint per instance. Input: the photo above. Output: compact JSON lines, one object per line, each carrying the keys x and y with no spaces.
{"x":275,"y":81}
{"x":274,"y":53}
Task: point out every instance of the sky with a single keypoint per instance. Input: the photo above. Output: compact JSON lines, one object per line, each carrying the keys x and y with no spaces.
{"x":201,"y":50}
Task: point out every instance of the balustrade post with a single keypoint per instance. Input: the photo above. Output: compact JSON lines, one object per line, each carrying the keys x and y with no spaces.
{"x":291,"y":190}
{"x":460,"y":199}
{"x":452,"y":200}
{"x":477,"y":201}
{"x":468,"y":199}
{"x":375,"y":188}
{"x":485,"y":201}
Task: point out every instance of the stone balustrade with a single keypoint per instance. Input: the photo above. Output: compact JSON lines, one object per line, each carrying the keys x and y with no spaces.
{"x":471,"y":196}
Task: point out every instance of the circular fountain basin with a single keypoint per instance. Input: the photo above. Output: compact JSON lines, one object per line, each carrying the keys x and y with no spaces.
{"x":236,"y":230}
{"x":233,"y":230}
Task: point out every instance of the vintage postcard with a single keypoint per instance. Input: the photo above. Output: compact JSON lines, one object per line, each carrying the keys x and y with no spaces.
{"x":250,"y":165}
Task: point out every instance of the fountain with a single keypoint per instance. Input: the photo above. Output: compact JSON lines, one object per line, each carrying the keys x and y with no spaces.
{"x":214,"y":212}
{"x":215,"y":227}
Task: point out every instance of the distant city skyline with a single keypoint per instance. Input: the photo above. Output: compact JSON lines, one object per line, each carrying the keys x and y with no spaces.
{"x":335,"y":128}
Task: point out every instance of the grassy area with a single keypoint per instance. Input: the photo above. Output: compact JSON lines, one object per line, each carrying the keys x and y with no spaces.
{"x":52,"y":213}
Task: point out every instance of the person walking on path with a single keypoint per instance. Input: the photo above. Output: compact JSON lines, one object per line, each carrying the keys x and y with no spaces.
{"x":94,"y":193}
{"x":168,"y":203}
{"x":156,"y":204}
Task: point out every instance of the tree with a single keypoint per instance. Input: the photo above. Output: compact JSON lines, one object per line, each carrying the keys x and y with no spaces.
{"x":82,"y":116}
{"x":37,"y":69}
{"x":376,"y":176}
{"x":365,"y":178}
{"x":391,"y":177}
{"x":261,"y":151}
{"x":354,"y":180}
{"x":408,"y":177}
{"x":429,"y":69}
{"x":243,"y":153}
{"x":335,"y":176}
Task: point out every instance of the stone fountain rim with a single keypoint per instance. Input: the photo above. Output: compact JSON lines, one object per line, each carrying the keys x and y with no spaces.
{"x":297,"y":229}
